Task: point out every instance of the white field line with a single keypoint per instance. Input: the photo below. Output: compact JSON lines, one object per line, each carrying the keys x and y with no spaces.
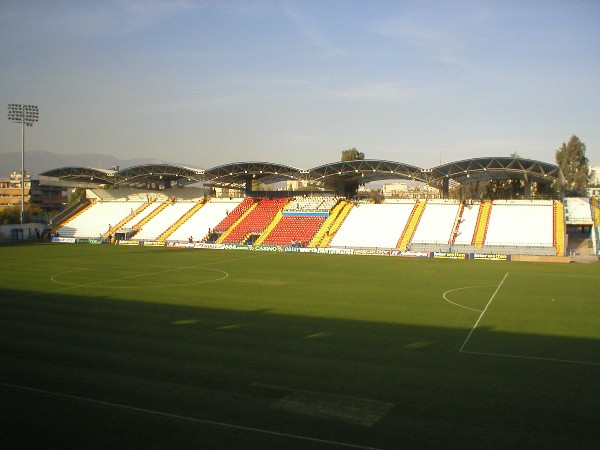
{"x":185,"y":418}
{"x":571,"y":361}
{"x":460,"y":289}
{"x":482,"y":313}
{"x":112,"y":280}
{"x":162,"y":285}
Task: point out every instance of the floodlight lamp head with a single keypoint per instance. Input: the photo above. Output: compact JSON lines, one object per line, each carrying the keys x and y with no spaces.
{"x":25,"y":114}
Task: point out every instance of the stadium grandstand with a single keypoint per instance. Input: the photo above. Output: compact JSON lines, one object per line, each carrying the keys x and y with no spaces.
{"x":153,"y":204}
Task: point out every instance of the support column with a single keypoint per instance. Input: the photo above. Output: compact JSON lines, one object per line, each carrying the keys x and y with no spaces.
{"x":446,"y":187}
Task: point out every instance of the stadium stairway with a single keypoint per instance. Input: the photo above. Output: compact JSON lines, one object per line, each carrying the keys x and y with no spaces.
{"x":596,"y":210}
{"x":239,"y":220}
{"x":326,"y":233}
{"x":169,"y":231}
{"x":325,"y":226}
{"x":483,"y":220}
{"x":249,"y":239}
{"x":269,"y":228}
{"x":596,"y":231}
{"x":255,"y":222}
{"x":457,"y":222}
{"x":559,"y":227}
{"x":149,"y":217}
{"x":411,"y":224}
{"x":234,"y":216}
{"x":122,"y":222}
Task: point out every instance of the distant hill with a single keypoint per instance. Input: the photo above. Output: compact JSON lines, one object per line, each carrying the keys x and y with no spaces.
{"x":37,"y":162}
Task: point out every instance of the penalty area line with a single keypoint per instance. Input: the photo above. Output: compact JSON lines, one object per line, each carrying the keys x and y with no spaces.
{"x":482,"y":313}
{"x":184,"y":418}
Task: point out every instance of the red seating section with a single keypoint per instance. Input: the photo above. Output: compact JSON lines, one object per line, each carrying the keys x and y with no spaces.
{"x":257,"y":220}
{"x":235,"y":214}
{"x":299,"y":229}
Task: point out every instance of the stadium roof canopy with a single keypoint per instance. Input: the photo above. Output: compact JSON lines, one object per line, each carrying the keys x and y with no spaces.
{"x":242,"y":174}
{"x":238,"y":175}
{"x":154,"y":175}
{"x":78,"y":177}
{"x":367,"y":170}
{"x":476,"y":170}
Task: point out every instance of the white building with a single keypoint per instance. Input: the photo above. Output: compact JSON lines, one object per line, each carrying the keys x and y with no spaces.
{"x":395,"y":190}
{"x":595,"y":175}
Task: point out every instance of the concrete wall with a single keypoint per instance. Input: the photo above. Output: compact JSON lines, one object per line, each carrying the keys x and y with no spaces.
{"x":18,"y":232}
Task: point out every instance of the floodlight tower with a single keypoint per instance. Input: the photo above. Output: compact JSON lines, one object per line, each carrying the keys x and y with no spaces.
{"x":25,"y":115}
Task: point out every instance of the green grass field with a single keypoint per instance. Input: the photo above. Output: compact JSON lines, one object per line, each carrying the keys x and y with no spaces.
{"x":152,"y":348}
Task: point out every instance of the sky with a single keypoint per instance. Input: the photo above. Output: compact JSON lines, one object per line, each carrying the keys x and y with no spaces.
{"x":205,"y":83}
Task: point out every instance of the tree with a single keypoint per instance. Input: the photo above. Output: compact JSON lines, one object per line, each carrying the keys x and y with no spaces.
{"x":375,"y":196}
{"x":346,"y":184}
{"x":76,"y":196}
{"x":490,"y":189}
{"x":12,"y":214}
{"x":352,"y":155}
{"x":571,"y":159}
{"x":504,"y":189}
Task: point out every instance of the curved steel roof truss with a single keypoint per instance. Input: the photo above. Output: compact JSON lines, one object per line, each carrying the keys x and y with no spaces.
{"x":139,"y":176}
{"x":82,"y":174}
{"x":239,"y":175}
{"x":367,"y":170}
{"x":485,"y":169}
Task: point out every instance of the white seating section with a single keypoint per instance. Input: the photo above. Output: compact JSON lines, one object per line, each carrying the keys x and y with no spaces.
{"x":468,"y":223}
{"x":373,"y":226}
{"x":437,"y":222}
{"x":163,"y":220}
{"x":521,"y":223}
{"x":96,"y":220}
{"x":578,"y":210}
{"x":311,"y":204}
{"x":207,"y":217}
{"x":141,"y":215}
{"x":512,"y":223}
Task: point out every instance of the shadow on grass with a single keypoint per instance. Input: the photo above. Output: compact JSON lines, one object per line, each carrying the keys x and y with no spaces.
{"x":100,"y":373}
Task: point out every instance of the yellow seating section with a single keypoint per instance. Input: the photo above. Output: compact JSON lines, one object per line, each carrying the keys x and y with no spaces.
{"x":483,"y":219}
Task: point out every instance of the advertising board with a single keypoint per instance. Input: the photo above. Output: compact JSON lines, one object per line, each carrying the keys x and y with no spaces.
{"x":491,"y":256}
{"x":371,"y":251}
{"x":409,"y":254}
{"x":128,"y":243}
{"x":450,"y":255}
{"x":64,"y":240}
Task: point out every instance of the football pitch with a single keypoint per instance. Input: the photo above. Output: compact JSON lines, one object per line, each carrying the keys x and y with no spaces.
{"x":104,"y":346}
